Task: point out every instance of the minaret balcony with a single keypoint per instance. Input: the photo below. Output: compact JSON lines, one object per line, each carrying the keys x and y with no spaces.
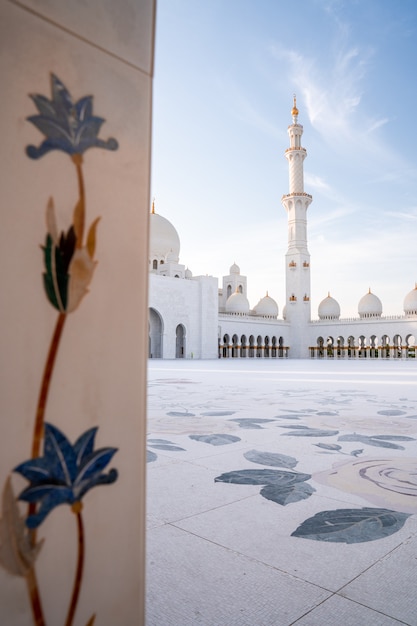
{"x":297,"y":194}
{"x":299,"y":148}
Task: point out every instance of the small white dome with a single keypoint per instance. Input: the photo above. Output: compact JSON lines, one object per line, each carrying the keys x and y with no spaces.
{"x":329,"y":309}
{"x":188,"y":273}
{"x":410,"y":302}
{"x":234,"y":269}
{"x":266,"y":307}
{"x":237,"y":303}
{"x":164,"y":239}
{"x":284,"y":312}
{"x":370,"y":306}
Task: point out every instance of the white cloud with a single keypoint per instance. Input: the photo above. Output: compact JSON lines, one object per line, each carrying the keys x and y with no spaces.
{"x":377,"y":124}
{"x":316,"y":182}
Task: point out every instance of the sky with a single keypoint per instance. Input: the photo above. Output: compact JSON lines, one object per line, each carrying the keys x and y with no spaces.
{"x":225,"y":75}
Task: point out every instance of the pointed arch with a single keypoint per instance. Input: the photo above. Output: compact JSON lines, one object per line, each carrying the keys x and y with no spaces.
{"x":180,"y":347}
{"x":155,"y":328}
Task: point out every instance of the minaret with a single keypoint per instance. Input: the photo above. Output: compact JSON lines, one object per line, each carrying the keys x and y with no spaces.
{"x":296,"y":203}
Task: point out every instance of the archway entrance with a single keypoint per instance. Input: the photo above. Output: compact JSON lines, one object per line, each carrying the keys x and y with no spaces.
{"x":180,"y":342}
{"x":155,"y":335}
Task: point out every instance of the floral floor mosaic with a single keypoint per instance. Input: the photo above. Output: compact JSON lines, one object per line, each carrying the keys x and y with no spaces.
{"x":282,"y":492}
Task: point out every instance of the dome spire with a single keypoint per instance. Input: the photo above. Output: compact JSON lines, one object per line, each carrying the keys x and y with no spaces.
{"x":153,"y":207}
{"x":294,"y":110}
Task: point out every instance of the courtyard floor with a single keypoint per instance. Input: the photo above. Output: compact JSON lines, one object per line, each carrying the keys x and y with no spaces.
{"x":282,"y":492}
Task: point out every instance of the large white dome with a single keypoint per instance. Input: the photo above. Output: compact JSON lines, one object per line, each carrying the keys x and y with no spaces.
{"x":329,"y":309}
{"x":370,"y":306}
{"x":164,"y":239}
{"x":410,"y":302}
{"x":237,"y":303}
{"x":266,"y":307}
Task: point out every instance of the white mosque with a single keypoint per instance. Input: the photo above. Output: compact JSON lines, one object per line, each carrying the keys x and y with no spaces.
{"x":191,"y":317}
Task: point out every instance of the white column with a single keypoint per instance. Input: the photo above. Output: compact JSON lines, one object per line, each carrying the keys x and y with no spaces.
{"x":98,"y":378}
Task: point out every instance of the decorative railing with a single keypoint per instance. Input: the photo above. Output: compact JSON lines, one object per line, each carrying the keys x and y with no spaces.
{"x":297,"y":194}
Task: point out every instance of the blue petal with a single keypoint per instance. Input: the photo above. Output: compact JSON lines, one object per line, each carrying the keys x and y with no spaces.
{"x":51,"y":128}
{"x":53,"y":499}
{"x":98,"y":479}
{"x":110,"y":144}
{"x":94,"y":464}
{"x":35,"y":470}
{"x":89,"y":128}
{"x":37,"y":493}
{"x":60,"y":455}
{"x":84,"y":108}
{"x":61,"y":97}
{"x":44,"y":106}
{"x":46,"y":146}
{"x":84,"y":445}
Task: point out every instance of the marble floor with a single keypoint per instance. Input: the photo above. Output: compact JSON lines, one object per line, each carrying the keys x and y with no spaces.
{"x":282,"y":492}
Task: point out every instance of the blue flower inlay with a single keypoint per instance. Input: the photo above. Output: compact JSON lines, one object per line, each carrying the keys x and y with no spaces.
{"x":65,"y":473}
{"x":67,"y":126}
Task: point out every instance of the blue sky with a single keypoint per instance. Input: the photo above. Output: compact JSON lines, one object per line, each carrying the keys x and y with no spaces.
{"x":225,"y":73}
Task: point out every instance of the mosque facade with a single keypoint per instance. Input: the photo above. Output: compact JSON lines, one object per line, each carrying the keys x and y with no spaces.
{"x":192,"y":317}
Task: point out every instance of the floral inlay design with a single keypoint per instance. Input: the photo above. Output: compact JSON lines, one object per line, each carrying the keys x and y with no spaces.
{"x":67,"y":125}
{"x":388,"y":484}
{"x":65,"y":472}
{"x":383,"y":482}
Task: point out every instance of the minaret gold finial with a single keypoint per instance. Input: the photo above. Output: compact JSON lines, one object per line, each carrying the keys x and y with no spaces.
{"x":294,"y":111}
{"x":153,"y":207}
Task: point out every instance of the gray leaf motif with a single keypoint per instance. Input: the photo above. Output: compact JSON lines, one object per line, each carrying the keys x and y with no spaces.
{"x":328,"y":446}
{"x":157,"y":441}
{"x":272,"y":459}
{"x":351,"y":525}
{"x":310,"y":432}
{"x":216,"y":440}
{"x":280,"y":486}
{"x":248,"y":422}
{"x":287,"y":495}
{"x":263,"y":477}
{"x":379,"y":441}
{"x":150,"y":456}
{"x":217,"y":413}
{"x":165,"y":444}
{"x":288,"y":417}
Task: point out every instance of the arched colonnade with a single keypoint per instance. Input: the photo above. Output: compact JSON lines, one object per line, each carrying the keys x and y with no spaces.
{"x":362,"y":347}
{"x":251,"y":346}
